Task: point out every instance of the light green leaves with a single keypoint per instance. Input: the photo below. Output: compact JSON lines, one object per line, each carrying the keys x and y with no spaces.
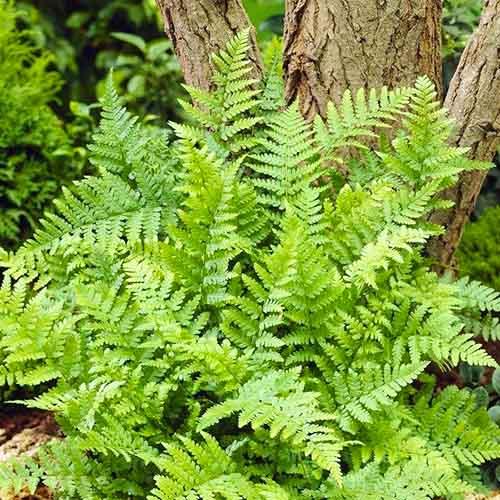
{"x":223,"y":298}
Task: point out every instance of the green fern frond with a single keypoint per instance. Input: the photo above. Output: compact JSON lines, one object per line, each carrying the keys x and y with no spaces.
{"x":118,"y":139}
{"x":355,"y":119}
{"x":203,"y":471}
{"x":273,"y":94}
{"x":455,"y":427}
{"x":230,"y":111}
{"x":279,"y":404}
{"x":361,"y":395}
{"x":476,"y":296}
{"x":289,"y":163}
{"x":420,"y":478}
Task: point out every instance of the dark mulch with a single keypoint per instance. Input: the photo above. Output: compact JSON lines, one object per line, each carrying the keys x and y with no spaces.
{"x":42,"y":493}
{"x":15,"y":419}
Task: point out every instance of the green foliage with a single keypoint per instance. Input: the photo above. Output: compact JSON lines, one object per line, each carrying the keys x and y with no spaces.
{"x":267,"y":16}
{"x":34,"y":148}
{"x":460,"y":18}
{"x":147,"y":73}
{"x":228,"y":113}
{"x":217,"y":320}
{"x":478,"y":254}
{"x":90,"y":37}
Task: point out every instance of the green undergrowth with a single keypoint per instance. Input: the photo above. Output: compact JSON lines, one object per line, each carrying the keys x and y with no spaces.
{"x":220,"y":317}
{"x":34,"y":147}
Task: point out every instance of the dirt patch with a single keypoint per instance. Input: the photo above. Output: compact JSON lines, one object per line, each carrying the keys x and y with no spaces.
{"x":15,"y":420}
{"x":41,"y":493}
{"x":22,"y":432}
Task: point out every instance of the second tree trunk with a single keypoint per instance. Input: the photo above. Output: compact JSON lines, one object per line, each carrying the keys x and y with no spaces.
{"x":333,"y":45}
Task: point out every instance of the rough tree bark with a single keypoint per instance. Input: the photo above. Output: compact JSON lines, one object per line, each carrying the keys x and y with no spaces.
{"x":198,"y":28}
{"x":333,"y":45}
{"x":473,"y":101}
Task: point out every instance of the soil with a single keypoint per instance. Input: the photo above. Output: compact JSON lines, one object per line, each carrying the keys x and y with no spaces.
{"x":22,"y":432}
{"x":13,"y":420}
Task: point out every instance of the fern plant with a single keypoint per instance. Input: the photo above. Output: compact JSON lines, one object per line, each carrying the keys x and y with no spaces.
{"x":33,"y":143}
{"x":218,"y":321}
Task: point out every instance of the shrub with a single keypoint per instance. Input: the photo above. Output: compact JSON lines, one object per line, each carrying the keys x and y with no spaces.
{"x":217,"y":320}
{"x":92,"y":36}
{"x":478,"y":254}
{"x":460,"y":18}
{"x":266,"y":16}
{"x":33,"y":144}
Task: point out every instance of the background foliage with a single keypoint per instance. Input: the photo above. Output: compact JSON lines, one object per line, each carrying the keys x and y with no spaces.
{"x":34,"y":147}
{"x":479,"y":254}
{"x":92,"y":36}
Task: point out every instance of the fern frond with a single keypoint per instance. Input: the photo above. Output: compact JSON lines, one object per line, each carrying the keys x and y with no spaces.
{"x":230,"y":111}
{"x":455,"y":427}
{"x":361,"y":395}
{"x":118,"y":141}
{"x":421,"y":478}
{"x":476,"y":296}
{"x":203,"y":471}
{"x":289,"y":163}
{"x":279,"y":404}
{"x":355,"y":119}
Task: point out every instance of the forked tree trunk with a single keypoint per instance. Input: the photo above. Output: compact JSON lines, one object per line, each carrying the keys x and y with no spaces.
{"x":473,"y":101}
{"x":334,"y":45}
{"x":199,"y":28}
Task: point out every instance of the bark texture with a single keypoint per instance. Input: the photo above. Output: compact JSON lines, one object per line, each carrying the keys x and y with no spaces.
{"x":331,"y":45}
{"x":198,"y":28}
{"x":473,"y":101}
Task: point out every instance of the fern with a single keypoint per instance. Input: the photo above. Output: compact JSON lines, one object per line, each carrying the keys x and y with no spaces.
{"x":228,"y":113}
{"x":290,"y":163}
{"x":205,"y":471}
{"x":216,"y":320}
{"x":34,"y":147}
{"x":356,"y":119}
{"x":273,"y":98}
{"x":278,"y":402}
{"x":420,"y":478}
{"x":127,"y":205}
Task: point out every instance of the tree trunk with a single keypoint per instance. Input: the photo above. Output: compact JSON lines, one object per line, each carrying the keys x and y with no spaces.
{"x":199,"y":28}
{"x":332,"y":45}
{"x":473,"y":101}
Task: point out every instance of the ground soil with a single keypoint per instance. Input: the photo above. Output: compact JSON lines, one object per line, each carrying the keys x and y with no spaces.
{"x":22,"y":431}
